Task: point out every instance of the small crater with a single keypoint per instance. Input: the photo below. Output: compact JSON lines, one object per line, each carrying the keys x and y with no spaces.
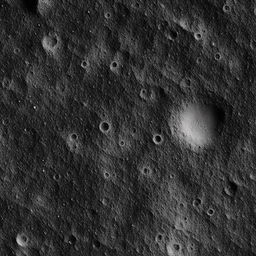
{"x":22,"y":240}
{"x":231,"y":188}
{"x":121,"y":143}
{"x":198,"y":36}
{"x":158,"y":139}
{"x":197,"y":202}
{"x":134,"y":131}
{"x":147,"y":94}
{"x":210,"y":212}
{"x":106,"y":175}
{"x":185,"y":83}
{"x":16,"y":50}
{"x":96,"y":244}
{"x":6,"y":82}
{"x":173,"y":249}
{"x":107,"y":15}
{"x":84,"y":64}
{"x":51,"y":43}
{"x":56,"y":176}
{"x":172,"y":35}
{"x":226,"y":8}
{"x":181,"y":206}
{"x":172,"y":176}
{"x":217,"y":56}
{"x":105,"y":126}
{"x":143,"y":94}
{"x":74,"y":136}
{"x":176,"y":247}
{"x":114,"y":66}
{"x":199,"y":60}
{"x":73,"y":143}
{"x":159,"y":238}
{"x":191,"y":247}
{"x":146,"y":170}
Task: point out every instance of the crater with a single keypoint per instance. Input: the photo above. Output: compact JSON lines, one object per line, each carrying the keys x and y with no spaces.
{"x":51,"y":43}
{"x":198,"y":124}
{"x":22,"y":240}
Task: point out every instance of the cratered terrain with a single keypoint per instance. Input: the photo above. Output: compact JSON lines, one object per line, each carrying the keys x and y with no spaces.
{"x":127,"y":128}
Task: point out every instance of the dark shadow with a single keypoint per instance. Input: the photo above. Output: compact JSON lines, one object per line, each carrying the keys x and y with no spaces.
{"x":30,"y":6}
{"x":232,"y":187}
{"x":219,"y":117}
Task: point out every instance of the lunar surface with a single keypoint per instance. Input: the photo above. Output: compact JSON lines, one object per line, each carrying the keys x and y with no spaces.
{"x":127,"y":127}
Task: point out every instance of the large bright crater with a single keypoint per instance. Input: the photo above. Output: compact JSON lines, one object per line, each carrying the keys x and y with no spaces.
{"x":196,"y":124}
